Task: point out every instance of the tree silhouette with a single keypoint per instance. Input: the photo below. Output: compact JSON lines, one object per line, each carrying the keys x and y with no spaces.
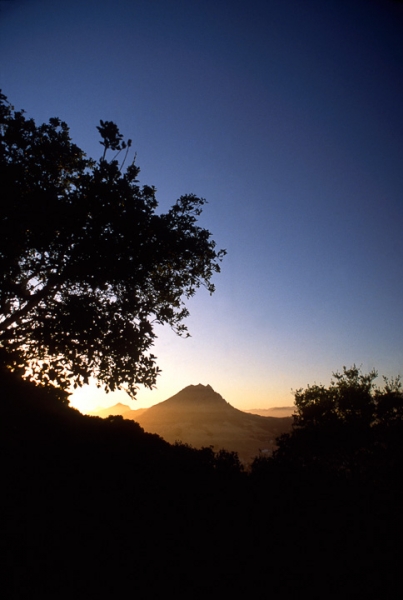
{"x":88,"y":266}
{"x":352,"y":428}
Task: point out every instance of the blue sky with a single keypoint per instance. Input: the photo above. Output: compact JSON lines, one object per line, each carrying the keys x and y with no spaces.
{"x":287,"y":116}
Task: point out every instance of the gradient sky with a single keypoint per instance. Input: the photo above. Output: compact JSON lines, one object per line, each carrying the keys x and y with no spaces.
{"x":287,"y":116}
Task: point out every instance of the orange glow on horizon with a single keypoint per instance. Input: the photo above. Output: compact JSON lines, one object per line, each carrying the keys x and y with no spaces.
{"x":89,"y":398}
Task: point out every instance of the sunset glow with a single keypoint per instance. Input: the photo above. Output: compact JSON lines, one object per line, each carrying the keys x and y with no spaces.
{"x":287,"y":117}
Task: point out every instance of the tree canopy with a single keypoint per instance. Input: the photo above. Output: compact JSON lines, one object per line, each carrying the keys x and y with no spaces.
{"x":88,"y":266}
{"x":351,"y":428}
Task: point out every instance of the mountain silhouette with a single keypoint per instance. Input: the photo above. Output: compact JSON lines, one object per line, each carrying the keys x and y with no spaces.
{"x":118,"y":409}
{"x":199,"y":416}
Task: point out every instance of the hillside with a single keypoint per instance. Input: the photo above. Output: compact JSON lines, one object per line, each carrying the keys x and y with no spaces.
{"x":118,"y":409}
{"x":199,"y":416}
{"x":93,"y":508}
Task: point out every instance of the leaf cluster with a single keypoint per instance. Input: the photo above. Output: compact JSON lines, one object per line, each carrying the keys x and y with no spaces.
{"x":88,"y":265}
{"x":348,"y":428}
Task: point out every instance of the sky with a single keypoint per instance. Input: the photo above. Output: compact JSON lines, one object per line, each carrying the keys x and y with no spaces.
{"x":287,"y":116}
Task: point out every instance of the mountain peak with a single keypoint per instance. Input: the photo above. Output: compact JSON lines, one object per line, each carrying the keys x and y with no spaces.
{"x":199,"y":416}
{"x":199,"y":386}
{"x":194,"y":397}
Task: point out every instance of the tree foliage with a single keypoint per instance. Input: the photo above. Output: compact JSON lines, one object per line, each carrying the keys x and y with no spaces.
{"x":351,"y":428}
{"x":88,"y":265}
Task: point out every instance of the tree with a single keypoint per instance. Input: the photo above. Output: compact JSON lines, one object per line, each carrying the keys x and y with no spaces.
{"x":351,"y":428}
{"x":88,"y":265}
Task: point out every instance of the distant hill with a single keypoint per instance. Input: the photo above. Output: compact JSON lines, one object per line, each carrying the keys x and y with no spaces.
{"x":276,"y":411}
{"x":118,"y":409}
{"x":199,"y":416}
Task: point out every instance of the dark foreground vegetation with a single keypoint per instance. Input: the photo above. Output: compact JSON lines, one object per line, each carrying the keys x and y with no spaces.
{"x":99,"y":508}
